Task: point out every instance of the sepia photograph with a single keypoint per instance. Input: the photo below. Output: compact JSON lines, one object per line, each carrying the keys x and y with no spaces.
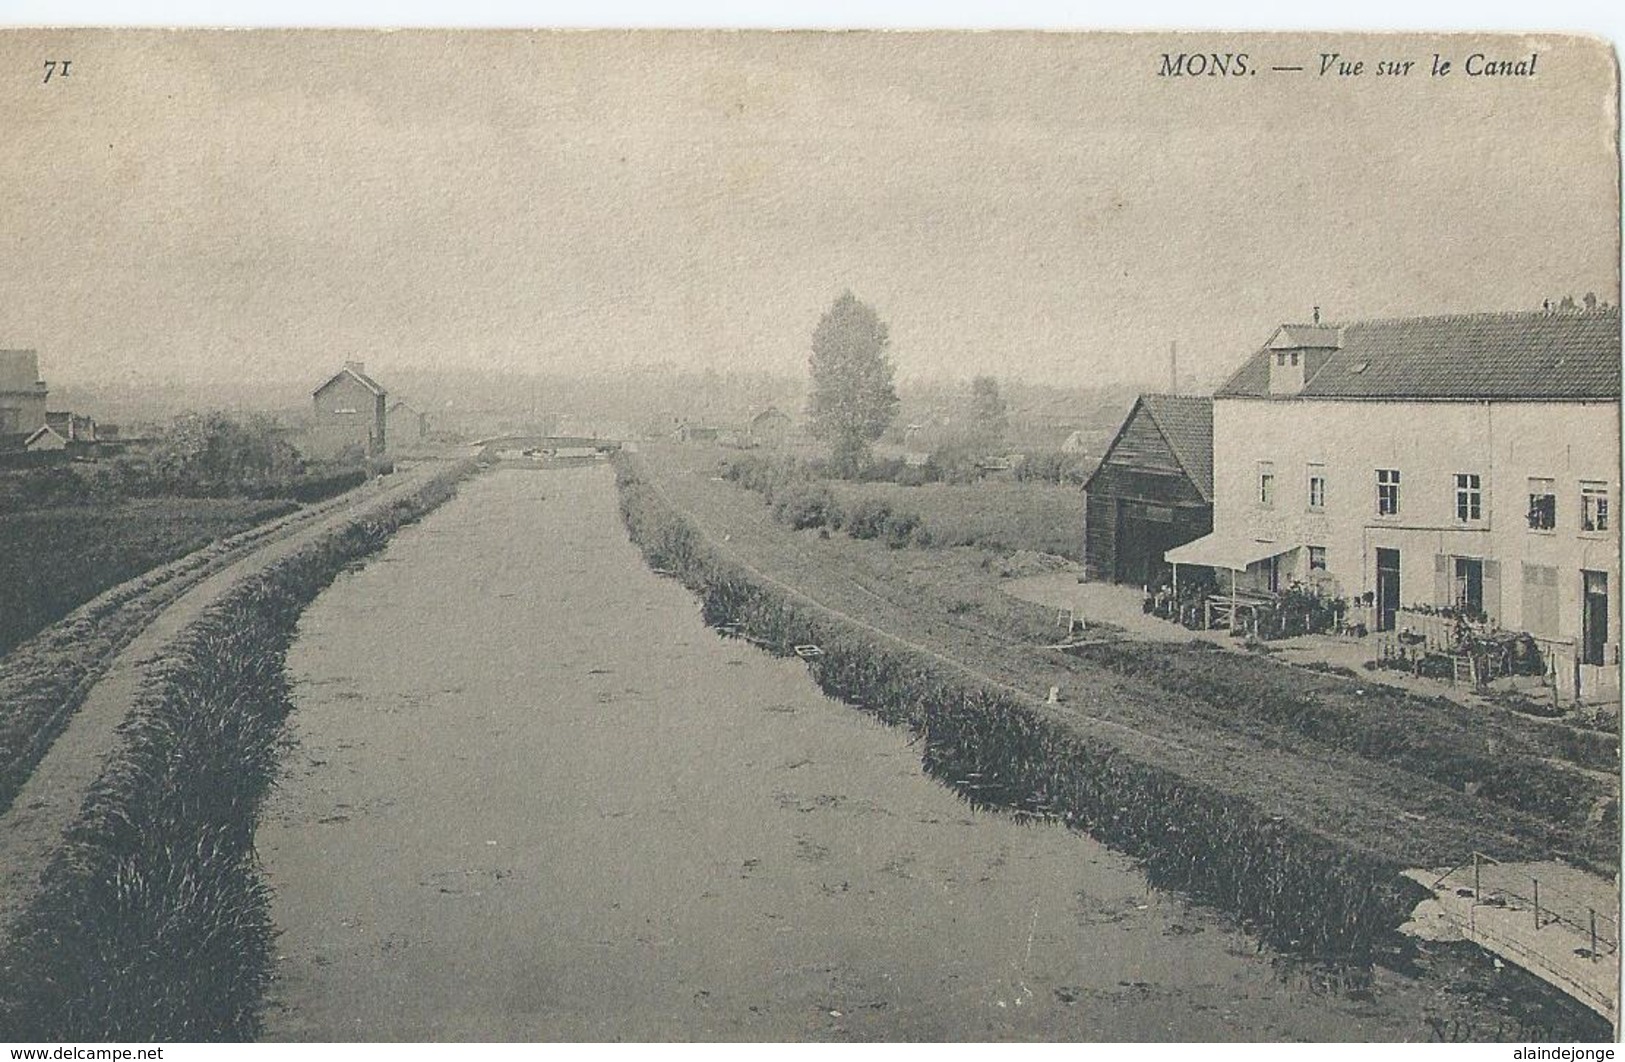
{"x":809,"y":536}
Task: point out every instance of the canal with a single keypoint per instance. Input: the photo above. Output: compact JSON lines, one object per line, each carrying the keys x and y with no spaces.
{"x":528,"y":795}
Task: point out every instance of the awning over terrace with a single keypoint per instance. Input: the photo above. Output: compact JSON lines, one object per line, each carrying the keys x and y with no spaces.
{"x":1225,"y":551}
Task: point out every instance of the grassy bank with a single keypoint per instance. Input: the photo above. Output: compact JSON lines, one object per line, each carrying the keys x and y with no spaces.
{"x":999,"y":747}
{"x":52,"y":560}
{"x":153,"y":921}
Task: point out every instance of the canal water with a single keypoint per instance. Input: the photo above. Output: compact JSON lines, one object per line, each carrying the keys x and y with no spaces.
{"x":528,"y":795}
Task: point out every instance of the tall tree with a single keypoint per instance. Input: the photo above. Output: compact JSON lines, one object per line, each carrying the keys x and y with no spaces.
{"x":853,"y":399}
{"x":989,"y":418}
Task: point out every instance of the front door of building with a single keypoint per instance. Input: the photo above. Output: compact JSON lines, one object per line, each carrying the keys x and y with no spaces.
{"x":1594,"y":618}
{"x":1469,"y":586}
{"x":1144,"y":532}
{"x":1387,"y":588}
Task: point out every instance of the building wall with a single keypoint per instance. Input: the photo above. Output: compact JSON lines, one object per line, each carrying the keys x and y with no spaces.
{"x":407,"y":428}
{"x":1505,"y":443}
{"x":347,"y":413}
{"x":22,"y":393}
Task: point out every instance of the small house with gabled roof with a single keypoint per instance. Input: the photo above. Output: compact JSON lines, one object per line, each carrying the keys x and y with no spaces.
{"x":770,"y":427}
{"x":350,"y":411}
{"x":408,"y":427}
{"x":1152,"y":491}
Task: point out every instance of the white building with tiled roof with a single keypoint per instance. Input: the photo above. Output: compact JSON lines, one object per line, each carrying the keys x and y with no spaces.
{"x":1469,"y":460}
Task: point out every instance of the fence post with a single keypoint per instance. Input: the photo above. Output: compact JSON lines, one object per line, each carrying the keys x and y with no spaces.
{"x":1475,"y":877}
{"x":1593,"y":934}
{"x":1537,"y":901}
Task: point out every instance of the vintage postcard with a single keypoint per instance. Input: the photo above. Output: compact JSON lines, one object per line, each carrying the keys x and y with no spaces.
{"x":786,"y":536}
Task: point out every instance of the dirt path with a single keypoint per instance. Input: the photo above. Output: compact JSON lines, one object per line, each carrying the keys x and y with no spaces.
{"x":531,"y":796}
{"x":49,"y":802}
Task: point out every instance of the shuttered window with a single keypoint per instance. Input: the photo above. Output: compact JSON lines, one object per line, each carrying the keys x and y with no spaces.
{"x":1540,"y":603}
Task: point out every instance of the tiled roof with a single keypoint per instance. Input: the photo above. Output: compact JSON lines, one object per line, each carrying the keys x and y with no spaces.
{"x":366,"y":381}
{"x":1187,"y":423}
{"x":1512,"y":356}
{"x":1319,"y":336}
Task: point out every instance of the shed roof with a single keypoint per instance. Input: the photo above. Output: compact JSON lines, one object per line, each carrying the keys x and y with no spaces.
{"x":1186,"y":421}
{"x":1509,"y":356}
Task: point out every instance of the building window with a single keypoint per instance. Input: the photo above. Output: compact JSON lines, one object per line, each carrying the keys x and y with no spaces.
{"x":1317,"y":558}
{"x":1317,"y":487}
{"x":1542,"y":504}
{"x":1593,"y":506}
{"x":1387,"y":492}
{"x":1294,"y":357}
{"x":1280,"y":357}
{"x":1469,"y":498}
{"x":1266,"y":483}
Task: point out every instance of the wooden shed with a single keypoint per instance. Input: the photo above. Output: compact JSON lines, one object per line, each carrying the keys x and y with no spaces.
{"x":1152,"y":491}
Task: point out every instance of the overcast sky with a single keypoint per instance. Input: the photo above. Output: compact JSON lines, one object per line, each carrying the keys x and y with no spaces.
{"x":186,"y":205}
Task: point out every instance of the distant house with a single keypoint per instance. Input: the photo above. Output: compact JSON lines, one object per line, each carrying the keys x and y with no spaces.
{"x":686,"y":432}
{"x":770,"y":427}
{"x":45,"y":439}
{"x":350,"y":411}
{"x":79,"y":432}
{"x":407,"y":426}
{"x":1152,"y":491}
{"x":22,"y":394}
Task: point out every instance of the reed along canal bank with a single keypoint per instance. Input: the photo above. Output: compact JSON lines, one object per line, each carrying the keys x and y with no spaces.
{"x":529,"y":794}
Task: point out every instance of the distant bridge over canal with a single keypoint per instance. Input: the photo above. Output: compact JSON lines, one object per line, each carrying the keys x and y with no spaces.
{"x":548,"y":445}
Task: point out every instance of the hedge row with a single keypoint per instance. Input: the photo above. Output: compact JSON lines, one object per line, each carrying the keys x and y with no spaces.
{"x":800,"y":502}
{"x":1296,"y":889}
{"x":153,"y":920}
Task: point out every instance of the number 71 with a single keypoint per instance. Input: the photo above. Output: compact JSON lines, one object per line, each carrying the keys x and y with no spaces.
{"x":54,"y":66}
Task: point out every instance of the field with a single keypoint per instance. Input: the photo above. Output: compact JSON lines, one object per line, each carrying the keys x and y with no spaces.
{"x":53,"y":560}
{"x":1417,"y":781}
{"x":994,"y":515}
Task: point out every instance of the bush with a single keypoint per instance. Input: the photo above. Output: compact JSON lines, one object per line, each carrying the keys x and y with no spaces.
{"x":895,"y":470}
{"x":1052,"y":467}
{"x":867,"y":518}
{"x":317,"y":488}
{"x":901,"y":529}
{"x":804,"y":505}
{"x":954,"y":463}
